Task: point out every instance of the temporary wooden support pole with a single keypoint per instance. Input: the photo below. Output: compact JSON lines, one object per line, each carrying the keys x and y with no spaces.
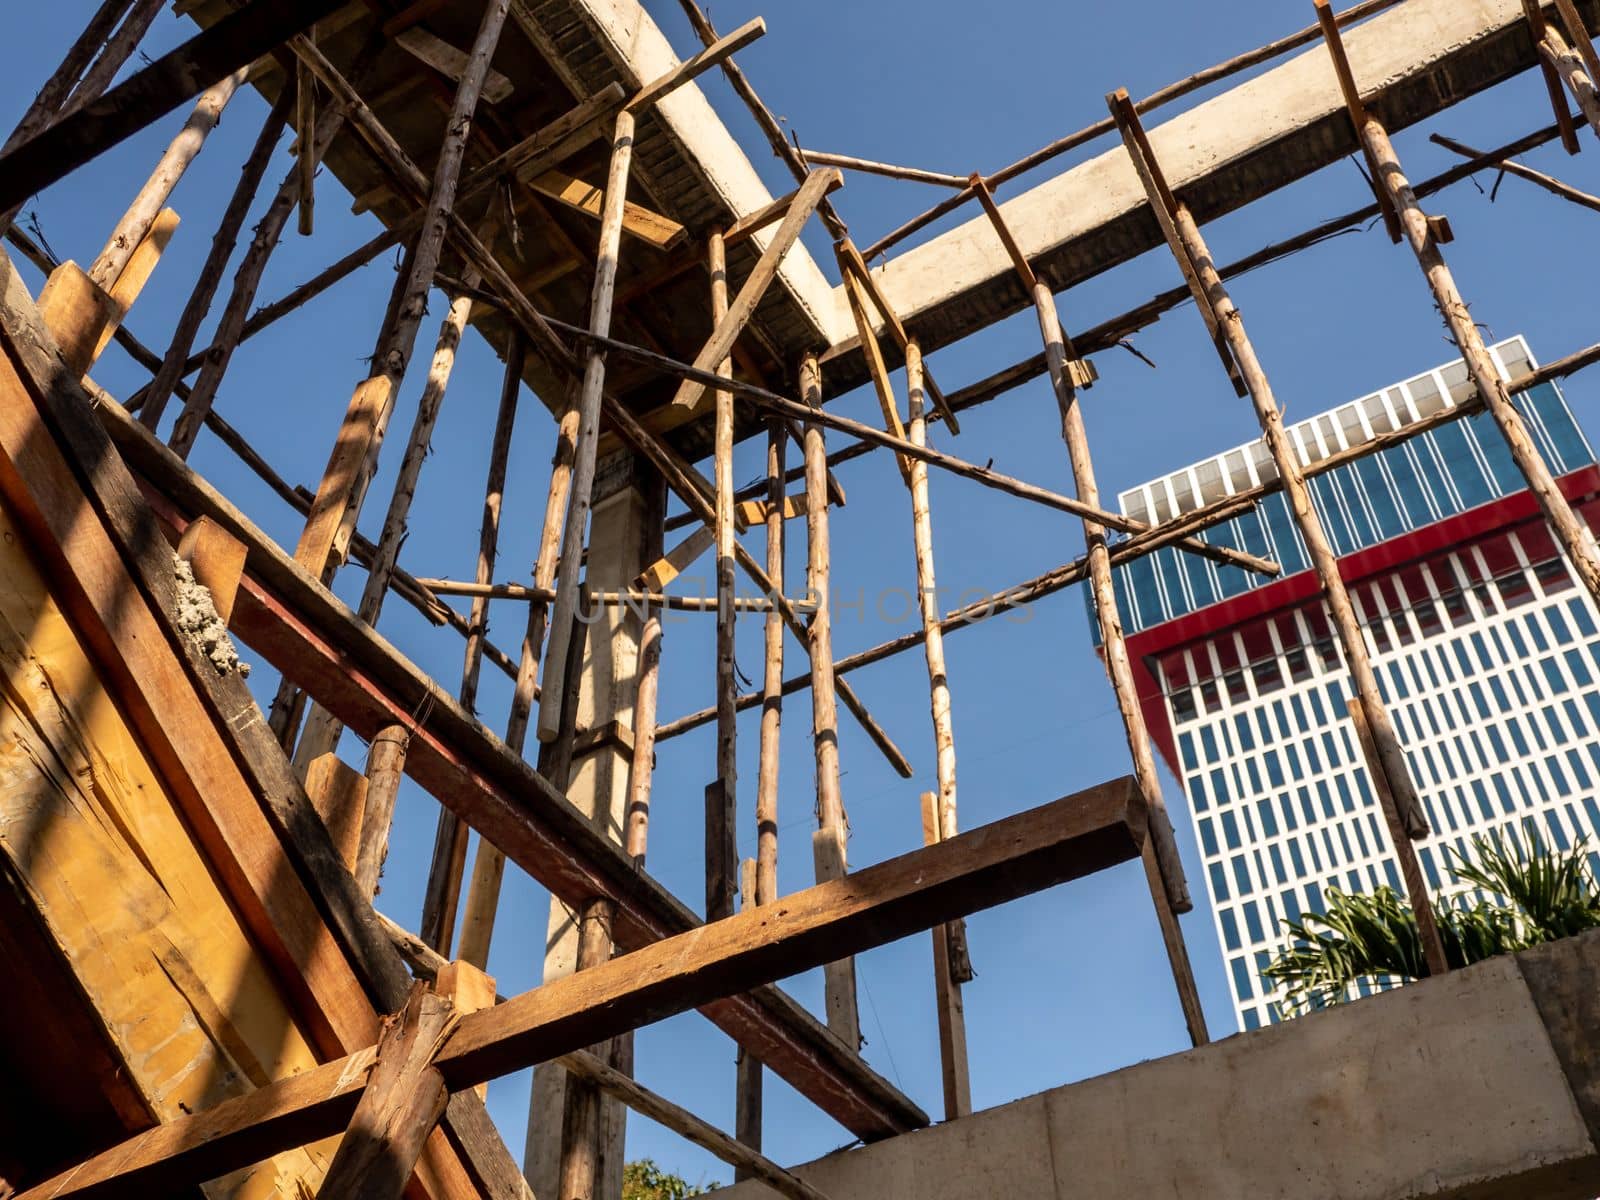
{"x":1570,"y":531}
{"x":159,"y":391}
{"x":637,"y":828}
{"x":1400,"y":839}
{"x":743,"y":307}
{"x":153,"y":196}
{"x":247,"y":279}
{"x":1578,"y":69}
{"x":635,"y":598}
{"x":746,"y":1160}
{"x":234,"y":42}
{"x":721,"y":812}
{"x":951,"y":1013}
{"x":828,"y":845}
{"x":1188,"y":245}
{"x":882,"y":385}
{"x":328,"y":529}
{"x":380,"y":571}
{"x":403,"y":1100}
{"x":1017,"y":856}
{"x":944,"y":738}
{"x":386,"y":764}
{"x":291,"y":621}
{"x":679,"y":477}
{"x":783,"y":406}
{"x":766,"y":885}
{"x":588,"y":437}
{"x":1066,"y":375}
{"x":852,"y":264}
{"x":450,"y":843}
{"x":1511,"y":167}
{"x":580,"y":1121}
{"x":887,"y":170}
{"x":305,"y":123}
{"x":59,"y":86}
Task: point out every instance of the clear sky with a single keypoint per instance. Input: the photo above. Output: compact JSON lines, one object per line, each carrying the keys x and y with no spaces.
{"x":1071,"y":983}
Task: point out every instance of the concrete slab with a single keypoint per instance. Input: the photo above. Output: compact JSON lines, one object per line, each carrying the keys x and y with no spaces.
{"x":1412,"y":61}
{"x":1461,"y":1087}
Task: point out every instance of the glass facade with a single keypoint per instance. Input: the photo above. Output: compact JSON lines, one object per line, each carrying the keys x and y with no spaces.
{"x":1487,"y":652}
{"x":1437,"y":474}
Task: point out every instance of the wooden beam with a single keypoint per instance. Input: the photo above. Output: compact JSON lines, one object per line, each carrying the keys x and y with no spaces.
{"x":217,"y":559}
{"x":743,"y":307}
{"x":233,"y":42}
{"x":402,"y":1102}
{"x":205,"y":734}
{"x":451,"y":62}
{"x":292,"y":621}
{"x":955,"y":1070}
{"x":1017,"y":856}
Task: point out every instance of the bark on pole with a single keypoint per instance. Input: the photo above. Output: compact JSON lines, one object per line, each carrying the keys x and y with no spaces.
{"x":153,"y":196}
{"x":589,"y":403}
{"x":159,"y":391}
{"x":636,"y":832}
{"x":828,"y":843}
{"x":766,"y":889}
{"x":1569,"y":64}
{"x":722,"y":868}
{"x":247,"y":280}
{"x":386,"y":765}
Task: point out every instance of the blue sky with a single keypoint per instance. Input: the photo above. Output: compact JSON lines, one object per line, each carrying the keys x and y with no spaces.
{"x":1071,"y":983}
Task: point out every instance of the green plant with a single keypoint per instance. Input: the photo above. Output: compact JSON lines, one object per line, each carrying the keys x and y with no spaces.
{"x":643,"y":1180}
{"x":1524,"y":894}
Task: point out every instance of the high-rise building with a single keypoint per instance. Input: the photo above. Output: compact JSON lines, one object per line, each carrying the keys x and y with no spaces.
{"x":1486,"y":649}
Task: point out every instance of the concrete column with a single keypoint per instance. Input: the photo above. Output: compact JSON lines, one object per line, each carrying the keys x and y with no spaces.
{"x":625,"y":536}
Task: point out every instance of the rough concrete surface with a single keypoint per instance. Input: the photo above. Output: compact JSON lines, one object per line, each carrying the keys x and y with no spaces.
{"x":1475,"y":1086}
{"x":198,"y":619}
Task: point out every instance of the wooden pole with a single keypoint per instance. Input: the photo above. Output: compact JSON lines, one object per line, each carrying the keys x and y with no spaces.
{"x":153,"y":196}
{"x":589,"y":404}
{"x":451,"y":837}
{"x":944,"y":738}
{"x":766,"y":889}
{"x":1189,"y":247}
{"x":386,"y":764}
{"x":1410,"y":871}
{"x":1570,"y":531}
{"x":1511,"y":167}
{"x":159,"y":391}
{"x":722,"y":804}
{"x":828,"y":843}
{"x":380,"y":572}
{"x":305,"y":123}
{"x":637,"y":830}
{"x":403,"y":1100}
{"x":1169,"y":889}
{"x":65,"y":91}
{"x":580,"y":1119}
{"x":1574,"y":72}
{"x":952,"y":1017}
{"x":247,"y":280}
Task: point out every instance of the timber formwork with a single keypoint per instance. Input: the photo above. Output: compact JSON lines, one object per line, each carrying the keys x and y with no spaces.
{"x":551,"y":167}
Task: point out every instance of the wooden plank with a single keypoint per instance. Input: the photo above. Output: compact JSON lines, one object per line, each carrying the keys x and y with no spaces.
{"x":882,"y":385}
{"x":677,"y":560}
{"x":206,"y":734}
{"x":217,"y":559}
{"x":350,"y":451}
{"x":1017,"y":856}
{"x":339,"y":794}
{"x":292,"y":621}
{"x":743,"y":307}
{"x":402,"y":1102}
{"x":650,"y":227}
{"x":713,"y":55}
{"x":233,"y":42}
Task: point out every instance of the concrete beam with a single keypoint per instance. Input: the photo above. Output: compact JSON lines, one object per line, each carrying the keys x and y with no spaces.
{"x":1482,"y":1084}
{"x":1413,"y":61}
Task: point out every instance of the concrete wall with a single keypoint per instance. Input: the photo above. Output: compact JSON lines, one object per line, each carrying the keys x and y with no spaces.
{"x":1483,"y":1084}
